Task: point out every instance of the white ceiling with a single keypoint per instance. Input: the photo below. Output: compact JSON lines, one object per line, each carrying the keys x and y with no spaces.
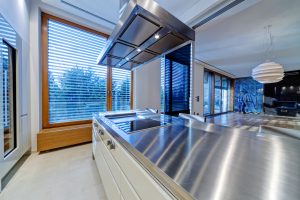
{"x":234,"y":42}
{"x":106,"y":12}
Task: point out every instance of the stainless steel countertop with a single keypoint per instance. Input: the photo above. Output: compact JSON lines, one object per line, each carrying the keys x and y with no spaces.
{"x":196,"y":160}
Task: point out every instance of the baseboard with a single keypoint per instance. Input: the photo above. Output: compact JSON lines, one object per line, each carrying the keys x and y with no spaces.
{"x":14,"y":169}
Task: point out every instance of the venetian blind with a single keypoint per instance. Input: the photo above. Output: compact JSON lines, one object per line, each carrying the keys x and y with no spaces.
{"x":8,"y":34}
{"x":121,"y":79}
{"x":180,"y":87}
{"x":77,"y":86}
{"x":162,"y":85}
{"x":177,"y":89}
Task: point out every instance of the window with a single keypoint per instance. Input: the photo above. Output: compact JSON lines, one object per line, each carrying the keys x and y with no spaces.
{"x":177,"y":87}
{"x":121,"y":82}
{"x":224,"y":94}
{"x":217,"y":103}
{"x":180,"y":87}
{"x":207,"y":92}
{"x":77,"y":86}
{"x":74,"y":86}
{"x":175,"y":81}
{"x":8,"y":38}
{"x":162,"y":85}
{"x":217,"y":93}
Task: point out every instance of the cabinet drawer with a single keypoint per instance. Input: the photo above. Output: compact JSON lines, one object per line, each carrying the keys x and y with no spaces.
{"x":131,"y":180}
{"x":111,"y":189}
{"x":115,"y":170}
{"x":144,"y":185}
{"x":126,"y":189}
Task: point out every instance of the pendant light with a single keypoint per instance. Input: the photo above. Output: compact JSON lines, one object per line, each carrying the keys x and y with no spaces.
{"x":268,"y":72}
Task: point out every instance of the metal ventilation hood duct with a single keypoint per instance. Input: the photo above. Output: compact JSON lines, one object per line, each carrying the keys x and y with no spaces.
{"x":145,"y":30}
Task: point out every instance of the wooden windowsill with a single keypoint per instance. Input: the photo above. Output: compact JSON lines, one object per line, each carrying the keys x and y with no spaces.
{"x":53,"y":138}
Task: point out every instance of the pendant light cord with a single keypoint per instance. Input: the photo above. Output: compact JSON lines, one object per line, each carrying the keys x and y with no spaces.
{"x":270,"y":47}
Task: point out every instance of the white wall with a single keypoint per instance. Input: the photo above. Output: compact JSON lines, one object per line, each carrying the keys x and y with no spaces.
{"x":16,"y":13}
{"x":37,"y":6}
{"x":147,"y":86}
{"x":198,"y":73}
{"x":197,"y":87}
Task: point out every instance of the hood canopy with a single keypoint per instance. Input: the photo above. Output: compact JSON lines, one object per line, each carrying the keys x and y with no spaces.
{"x":145,"y":30}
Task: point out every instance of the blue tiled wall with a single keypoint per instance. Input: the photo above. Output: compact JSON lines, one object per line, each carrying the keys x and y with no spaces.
{"x":249,"y":92}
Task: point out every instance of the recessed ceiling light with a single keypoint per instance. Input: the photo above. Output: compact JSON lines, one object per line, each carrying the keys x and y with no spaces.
{"x":119,"y":64}
{"x":156,"y":36}
{"x":127,"y":59}
{"x":139,"y":50}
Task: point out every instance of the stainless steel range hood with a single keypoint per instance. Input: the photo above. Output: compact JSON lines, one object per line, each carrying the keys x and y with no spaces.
{"x":145,"y":30}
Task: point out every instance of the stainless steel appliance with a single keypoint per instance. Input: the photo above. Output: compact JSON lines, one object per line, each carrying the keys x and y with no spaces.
{"x":144,"y":31}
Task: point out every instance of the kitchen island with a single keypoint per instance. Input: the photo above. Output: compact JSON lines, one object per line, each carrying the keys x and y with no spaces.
{"x":142,"y":155}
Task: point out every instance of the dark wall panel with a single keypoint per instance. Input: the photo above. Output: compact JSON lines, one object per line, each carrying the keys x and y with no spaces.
{"x":283,"y":98}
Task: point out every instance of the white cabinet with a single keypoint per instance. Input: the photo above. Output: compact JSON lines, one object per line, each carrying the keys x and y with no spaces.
{"x":144,"y":185}
{"x":122,"y":176}
{"x":111,"y":189}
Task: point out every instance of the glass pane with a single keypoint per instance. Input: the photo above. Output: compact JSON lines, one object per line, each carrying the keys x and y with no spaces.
{"x":8,"y":92}
{"x":8,"y":85}
{"x":180,"y":87}
{"x":228,"y":95}
{"x":207,"y":93}
{"x":217,"y":103}
{"x":77,"y":86}
{"x":121,"y":89}
{"x":162,"y":85}
{"x":224,"y":94}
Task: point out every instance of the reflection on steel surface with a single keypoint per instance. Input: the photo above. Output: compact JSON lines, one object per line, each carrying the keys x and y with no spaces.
{"x":215,"y":162}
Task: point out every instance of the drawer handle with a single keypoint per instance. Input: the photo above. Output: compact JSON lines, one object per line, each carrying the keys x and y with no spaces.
{"x":111,"y":145}
{"x":101,"y":132}
{"x":109,"y":142}
{"x":95,"y":124}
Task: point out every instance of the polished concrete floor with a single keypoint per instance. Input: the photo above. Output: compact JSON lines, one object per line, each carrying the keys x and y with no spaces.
{"x":66,"y":174}
{"x":252,"y":122}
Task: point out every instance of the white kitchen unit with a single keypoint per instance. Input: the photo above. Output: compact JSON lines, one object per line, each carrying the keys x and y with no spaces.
{"x":123,"y":177}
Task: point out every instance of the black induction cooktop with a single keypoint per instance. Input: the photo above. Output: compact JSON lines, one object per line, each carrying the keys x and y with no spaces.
{"x":140,"y":124}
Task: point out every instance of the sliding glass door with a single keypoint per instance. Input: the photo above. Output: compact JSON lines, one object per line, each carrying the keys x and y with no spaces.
{"x":207,"y":93}
{"x":225,"y":90}
{"x":175,"y":76}
{"x":177,"y":88}
{"x":218,"y":95}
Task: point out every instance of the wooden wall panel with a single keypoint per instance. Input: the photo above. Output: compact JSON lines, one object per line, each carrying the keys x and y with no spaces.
{"x":53,"y":138}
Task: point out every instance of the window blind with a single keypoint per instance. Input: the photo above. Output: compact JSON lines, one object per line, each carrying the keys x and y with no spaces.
{"x":180,"y":87}
{"x":162,"y":84}
{"x":121,"y":81}
{"x":177,"y":87}
{"x":8,"y":34}
{"x":77,"y":86}
{"x":168,"y":88}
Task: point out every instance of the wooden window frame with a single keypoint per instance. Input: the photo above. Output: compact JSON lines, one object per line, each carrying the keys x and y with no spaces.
{"x":45,"y":90}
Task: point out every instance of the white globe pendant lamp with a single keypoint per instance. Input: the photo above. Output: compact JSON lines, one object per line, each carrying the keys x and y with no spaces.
{"x":268,"y":72}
